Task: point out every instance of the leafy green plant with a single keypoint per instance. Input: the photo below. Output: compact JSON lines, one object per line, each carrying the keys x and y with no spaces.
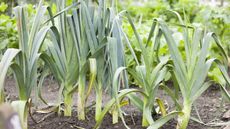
{"x":63,"y":59}
{"x":82,"y":44}
{"x":30,"y":41}
{"x":3,"y":7}
{"x":149,"y":73}
{"x":191,"y":74}
{"x":112,"y":55}
{"x":143,"y":10}
{"x":8,"y":30}
{"x":98,"y":28}
{"x":217,"y":20}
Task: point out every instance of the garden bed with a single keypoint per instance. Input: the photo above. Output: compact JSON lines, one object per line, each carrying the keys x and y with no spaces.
{"x":208,"y":106}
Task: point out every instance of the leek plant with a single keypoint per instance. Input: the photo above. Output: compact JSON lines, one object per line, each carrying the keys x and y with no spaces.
{"x":95,"y":33}
{"x":83,"y":44}
{"x":68,"y":56}
{"x":150,"y":73}
{"x":30,"y":41}
{"x":62,"y":57}
{"x":115,"y":62}
{"x":114,"y":52}
{"x":5,"y":63}
{"x":96,"y":27}
{"x":121,"y":94}
{"x":191,"y":73}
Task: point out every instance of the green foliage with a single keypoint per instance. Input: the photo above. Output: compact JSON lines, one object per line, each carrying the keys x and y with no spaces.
{"x":149,"y":72}
{"x":30,"y":41}
{"x":191,"y":72}
{"x":84,"y":50}
{"x":5,"y":63}
{"x":216,"y":19}
{"x":3,"y":7}
{"x":145,"y":10}
{"x":8,"y":32}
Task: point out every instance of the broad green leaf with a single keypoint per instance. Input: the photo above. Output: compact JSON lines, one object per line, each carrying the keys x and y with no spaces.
{"x":160,"y":122}
{"x":5,"y":63}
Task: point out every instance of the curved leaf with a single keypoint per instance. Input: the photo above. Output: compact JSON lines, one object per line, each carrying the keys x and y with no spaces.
{"x":5,"y":63}
{"x":160,"y":122}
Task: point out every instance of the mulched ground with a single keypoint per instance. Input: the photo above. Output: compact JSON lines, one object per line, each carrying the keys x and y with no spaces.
{"x":208,"y":106}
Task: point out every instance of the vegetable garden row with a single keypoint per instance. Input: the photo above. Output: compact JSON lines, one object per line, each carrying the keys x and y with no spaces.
{"x":84,"y":47}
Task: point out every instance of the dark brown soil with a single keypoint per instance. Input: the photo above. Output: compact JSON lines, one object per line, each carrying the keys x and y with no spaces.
{"x":60,"y":122}
{"x":208,"y":106}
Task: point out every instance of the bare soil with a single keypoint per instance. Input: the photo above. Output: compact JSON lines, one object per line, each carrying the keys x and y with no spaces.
{"x":208,"y":106}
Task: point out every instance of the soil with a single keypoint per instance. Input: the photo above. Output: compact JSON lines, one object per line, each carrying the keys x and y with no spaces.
{"x":208,"y":106}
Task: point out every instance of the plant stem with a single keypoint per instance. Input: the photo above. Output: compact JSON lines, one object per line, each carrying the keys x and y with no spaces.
{"x":25,"y":120}
{"x":60,"y":98}
{"x":182,"y":121}
{"x":98,"y":101}
{"x":23,"y":97}
{"x":115,"y":115}
{"x":68,"y":101}
{"x":145,"y":122}
{"x":81,"y":98}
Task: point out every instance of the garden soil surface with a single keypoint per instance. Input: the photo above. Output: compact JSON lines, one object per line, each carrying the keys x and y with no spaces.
{"x":208,"y":106}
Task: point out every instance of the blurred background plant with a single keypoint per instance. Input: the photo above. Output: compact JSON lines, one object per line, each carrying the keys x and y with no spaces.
{"x":8,"y":29}
{"x":8,"y":32}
